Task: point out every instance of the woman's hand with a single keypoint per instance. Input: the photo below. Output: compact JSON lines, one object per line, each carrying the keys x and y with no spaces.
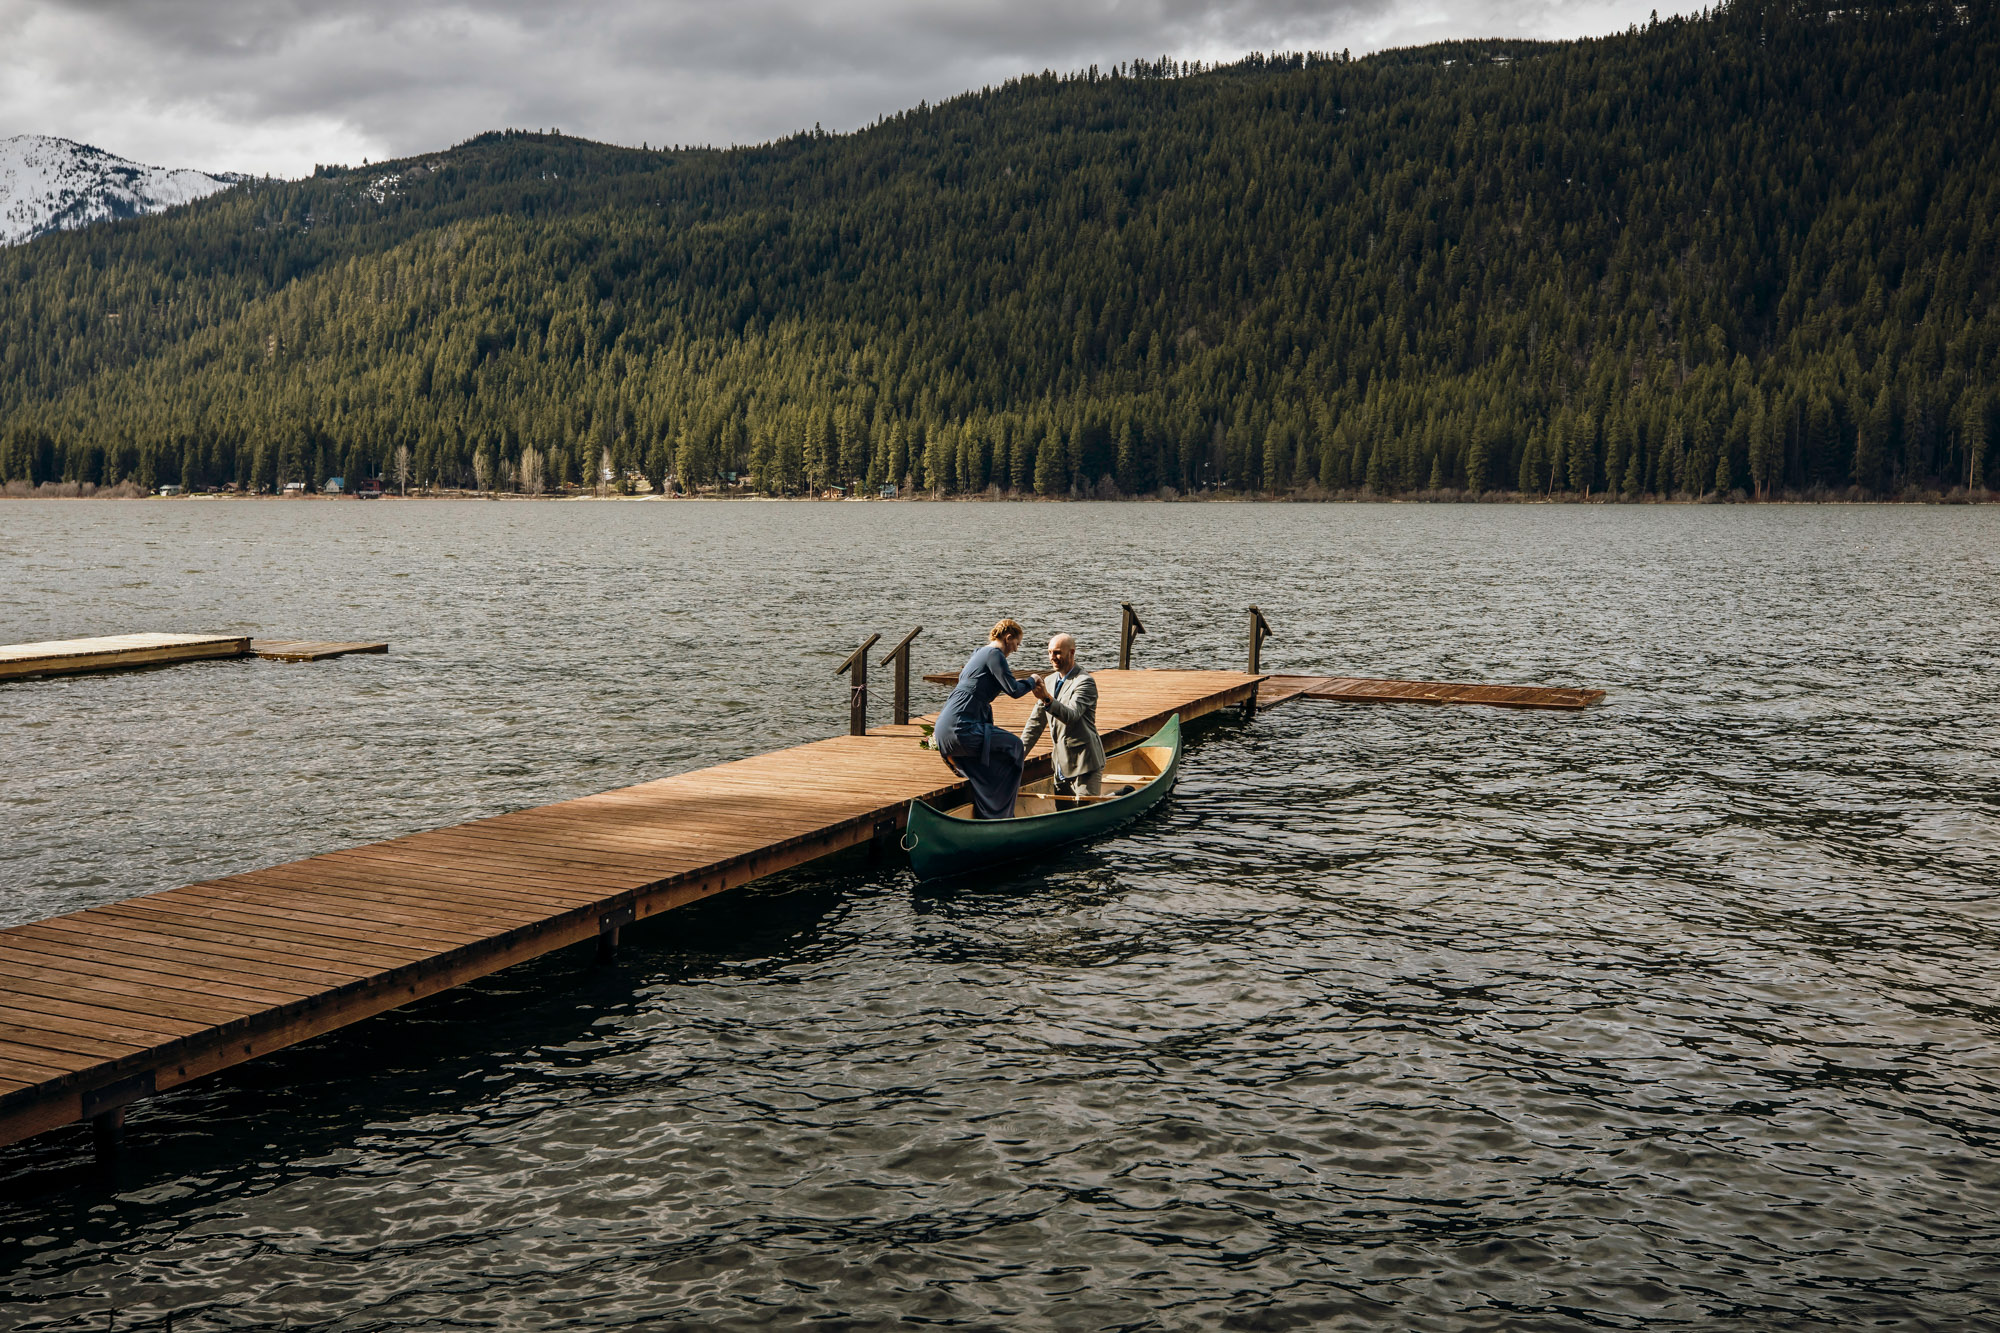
{"x":1041,"y":691}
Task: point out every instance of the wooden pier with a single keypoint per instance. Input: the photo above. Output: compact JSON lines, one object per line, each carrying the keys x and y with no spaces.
{"x":121,"y":652}
{"x":102,"y":1007}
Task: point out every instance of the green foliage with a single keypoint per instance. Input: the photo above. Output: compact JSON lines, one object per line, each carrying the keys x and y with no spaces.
{"x":1753,"y":251}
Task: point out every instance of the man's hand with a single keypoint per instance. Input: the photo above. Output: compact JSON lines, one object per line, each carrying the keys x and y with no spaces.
{"x":1040,"y":691}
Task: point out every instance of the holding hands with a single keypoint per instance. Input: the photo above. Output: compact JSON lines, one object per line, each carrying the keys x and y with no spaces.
{"x":1040,"y":690}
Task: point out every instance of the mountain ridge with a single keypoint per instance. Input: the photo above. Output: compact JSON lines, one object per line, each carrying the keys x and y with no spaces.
{"x":1753,"y":252}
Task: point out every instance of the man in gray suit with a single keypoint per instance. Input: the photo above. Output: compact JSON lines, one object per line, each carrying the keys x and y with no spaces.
{"x":1068,"y":701}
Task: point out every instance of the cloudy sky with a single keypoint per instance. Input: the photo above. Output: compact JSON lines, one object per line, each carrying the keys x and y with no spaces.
{"x":277,"y":85}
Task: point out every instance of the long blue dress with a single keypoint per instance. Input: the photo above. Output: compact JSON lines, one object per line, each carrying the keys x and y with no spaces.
{"x":989,"y":757}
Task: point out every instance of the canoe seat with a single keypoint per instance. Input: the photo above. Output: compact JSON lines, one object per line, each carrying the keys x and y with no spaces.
{"x":1134,"y":764}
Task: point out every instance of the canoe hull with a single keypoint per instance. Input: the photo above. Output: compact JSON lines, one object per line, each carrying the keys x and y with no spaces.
{"x":941,"y":845}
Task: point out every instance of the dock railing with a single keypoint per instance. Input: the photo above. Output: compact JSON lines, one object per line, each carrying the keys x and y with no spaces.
{"x":1127,"y":631}
{"x":1260,"y":629}
{"x":900,"y":655}
{"x":857,"y":687}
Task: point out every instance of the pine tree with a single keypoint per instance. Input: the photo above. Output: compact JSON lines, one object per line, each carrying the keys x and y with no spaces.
{"x":1049,"y":478}
{"x":1128,"y":458}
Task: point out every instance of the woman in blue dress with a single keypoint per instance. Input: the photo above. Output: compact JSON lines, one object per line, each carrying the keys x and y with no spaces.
{"x":988,"y":756}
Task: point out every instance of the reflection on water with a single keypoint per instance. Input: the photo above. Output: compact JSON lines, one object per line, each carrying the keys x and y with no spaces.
{"x":1678,"y":1012}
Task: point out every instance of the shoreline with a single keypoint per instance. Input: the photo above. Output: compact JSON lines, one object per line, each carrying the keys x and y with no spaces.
{"x":1958,"y":496}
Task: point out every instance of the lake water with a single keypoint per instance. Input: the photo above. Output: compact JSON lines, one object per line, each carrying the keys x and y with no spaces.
{"x":1680,"y":1012}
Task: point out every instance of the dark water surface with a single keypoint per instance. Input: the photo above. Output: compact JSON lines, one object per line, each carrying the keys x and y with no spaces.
{"x":1678,"y":1013}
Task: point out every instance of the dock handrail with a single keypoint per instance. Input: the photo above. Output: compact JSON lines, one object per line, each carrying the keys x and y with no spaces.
{"x":1126,"y":633}
{"x":900,"y":655}
{"x":1260,"y":629}
{"x":857,"y":693}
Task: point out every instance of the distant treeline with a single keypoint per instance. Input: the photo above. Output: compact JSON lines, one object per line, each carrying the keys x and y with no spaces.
{"x":1754,"y":251}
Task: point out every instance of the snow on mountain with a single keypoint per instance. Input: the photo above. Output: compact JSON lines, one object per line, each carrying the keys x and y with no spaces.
{"x":49,"y":184}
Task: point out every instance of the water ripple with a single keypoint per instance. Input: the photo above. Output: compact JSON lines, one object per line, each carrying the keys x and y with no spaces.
{"x":1676,"y":1014}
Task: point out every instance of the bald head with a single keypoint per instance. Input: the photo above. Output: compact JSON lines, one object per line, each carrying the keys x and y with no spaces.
{"x":1062,"y":652}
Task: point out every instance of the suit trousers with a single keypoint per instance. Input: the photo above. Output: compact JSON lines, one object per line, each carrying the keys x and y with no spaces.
{"x":1083,"y":784}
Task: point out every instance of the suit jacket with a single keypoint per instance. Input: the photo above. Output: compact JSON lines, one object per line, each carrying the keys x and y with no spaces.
{"x":1073,"y":715}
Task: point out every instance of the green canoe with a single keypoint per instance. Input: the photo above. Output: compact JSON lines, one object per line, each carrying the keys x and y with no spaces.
{"x":951,"y":842}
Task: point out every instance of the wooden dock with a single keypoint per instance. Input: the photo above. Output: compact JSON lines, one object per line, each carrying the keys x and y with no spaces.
{"x":310,"y":650}
{"x":58,"y":657}
{"x":120,"y":652}
{"x":1358,"y":690}
{"x":101,"y":1007}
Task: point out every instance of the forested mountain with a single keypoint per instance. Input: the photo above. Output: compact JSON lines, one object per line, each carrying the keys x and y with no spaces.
{"x":1753,"y":251}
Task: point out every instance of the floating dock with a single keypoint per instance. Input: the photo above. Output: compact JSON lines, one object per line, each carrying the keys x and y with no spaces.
{"x":59,"y":657}
{"x":119,"y":652}
{"x":310,"y":650}
{"x":1358,"y":690}
{"x":102,"y":1007}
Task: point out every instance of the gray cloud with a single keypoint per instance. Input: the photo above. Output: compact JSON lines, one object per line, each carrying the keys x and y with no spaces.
{"x":276,"y":85}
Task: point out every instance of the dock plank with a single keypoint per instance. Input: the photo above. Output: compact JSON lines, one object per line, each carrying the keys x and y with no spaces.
{"x":281,"y":901}
{"x":95,"y":1020}
{"x":17,"y":979}
{"x":388,"y":886}
{"x":194,"y":918}
{"x":457,"y":880}
{"x":28,"y":1064}
{"x":176,"y":972}
{"x":110,"y":933}
{"x":99,"y":1025}
{"x":142,"y":1006}
{"x":195,"y":979}
{"x":66,"y":1047}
